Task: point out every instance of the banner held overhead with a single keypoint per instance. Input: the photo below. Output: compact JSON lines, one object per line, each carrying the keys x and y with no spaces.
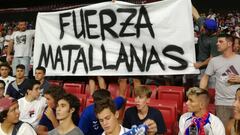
{"x":117,"y":39}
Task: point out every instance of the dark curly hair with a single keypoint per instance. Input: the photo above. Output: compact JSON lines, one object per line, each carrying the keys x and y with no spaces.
{"x":73,"y":103}
{"x":56,"y":92}
{"x":3,"y":115}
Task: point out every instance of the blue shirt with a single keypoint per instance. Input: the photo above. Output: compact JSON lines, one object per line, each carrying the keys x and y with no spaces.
{"x":89,"y":123}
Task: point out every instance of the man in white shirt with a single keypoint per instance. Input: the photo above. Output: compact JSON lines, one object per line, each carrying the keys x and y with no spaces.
{"x":21,"y":43}
{"x":32,"y":105}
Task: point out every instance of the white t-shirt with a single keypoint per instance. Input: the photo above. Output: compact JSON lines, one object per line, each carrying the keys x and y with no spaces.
{"x":7,"y":81}
{"x":214,"y":127}
{"x":122,"y":130}
{"x":31,"y":111}
{"x":23,"y":42}
{"x":7,"y":39}
{"x":25,"y":129}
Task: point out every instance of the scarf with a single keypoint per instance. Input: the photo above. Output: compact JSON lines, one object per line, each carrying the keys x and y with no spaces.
{"x":199,"y":123}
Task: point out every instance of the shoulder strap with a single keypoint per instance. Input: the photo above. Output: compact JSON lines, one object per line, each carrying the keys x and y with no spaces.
{"x":14,"y":84}
{"x":17,"y":127}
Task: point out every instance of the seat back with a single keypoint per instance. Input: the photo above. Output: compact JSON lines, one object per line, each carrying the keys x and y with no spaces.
{"x":175,"y":93}
{"x":114,"y":90}
{"x":82,"y":98}
{"x":89,"y":101}
{"x":212,"y":93}
{"x":74,"y":88}
{"x":56,"y":82}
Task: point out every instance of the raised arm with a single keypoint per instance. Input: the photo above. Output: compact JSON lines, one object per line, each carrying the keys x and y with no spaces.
{"x":195,"y":13}
{"x":204,"y":81}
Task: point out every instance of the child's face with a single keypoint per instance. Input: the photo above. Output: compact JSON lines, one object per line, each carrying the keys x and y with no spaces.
{"x":141,"y":101}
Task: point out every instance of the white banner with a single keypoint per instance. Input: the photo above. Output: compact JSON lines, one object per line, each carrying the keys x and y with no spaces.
{"x":117,"y":39}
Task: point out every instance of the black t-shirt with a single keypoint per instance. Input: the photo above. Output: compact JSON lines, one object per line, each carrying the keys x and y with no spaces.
{"x":131,"y":118}
{"x":20,"y":92}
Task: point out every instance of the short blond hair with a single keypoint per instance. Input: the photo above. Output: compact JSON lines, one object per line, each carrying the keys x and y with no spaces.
{"x":197,"y":91}
{"x":143,"y":90}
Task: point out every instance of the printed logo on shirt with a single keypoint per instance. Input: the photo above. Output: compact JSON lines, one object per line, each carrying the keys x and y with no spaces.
{"x":21,"y":39}
{"x":31,"y":113}
{"x":95,"y":125}
{"x":229,"y":71}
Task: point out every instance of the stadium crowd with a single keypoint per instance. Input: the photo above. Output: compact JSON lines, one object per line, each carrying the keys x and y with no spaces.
{"x":32,"y":105}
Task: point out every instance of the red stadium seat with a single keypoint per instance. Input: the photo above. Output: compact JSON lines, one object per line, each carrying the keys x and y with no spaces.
{"x":82,"y":98}
{"x":114,"y":90}
{"x":175,"y":93}
{"x":56,"y":82}
{"x":211,"y":92}
{"x":89,"y":101}
{"x":130,"y":103}
{"x":168,"y":109}
{"x":168,"y":112}
{"x":74,"y":88}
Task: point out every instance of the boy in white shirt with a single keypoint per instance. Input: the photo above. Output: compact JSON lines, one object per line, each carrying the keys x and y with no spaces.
{"x":32,"y":105}
{"x":198,"y":120}
{"x":108,"y":117}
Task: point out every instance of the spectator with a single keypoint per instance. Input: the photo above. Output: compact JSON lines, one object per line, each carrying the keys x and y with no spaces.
{"x":233,"y":125}
{"x":88,"y":122}
{"x":2,"y":89}
{"x":9,"y":119}
{"x":67,"y":114}
{"x":32,"y":105}
{"x":18,"y":88}
{"x":5,"y":70}
{"x":141,"y":113}
{"x":21,"y":43}
{"x":8,"y":37}
{"x":236,"y":47}
{"x":206,"y":43}
{"x":3,"y":54}
{"x":107,"y":115}
{"x":198,"y":121}
{"x":92,"y":83}
{"x":40,"y":76}
{"x":1,"y":41}
{"x":48,"y":120}
{"x":223,"y":67}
